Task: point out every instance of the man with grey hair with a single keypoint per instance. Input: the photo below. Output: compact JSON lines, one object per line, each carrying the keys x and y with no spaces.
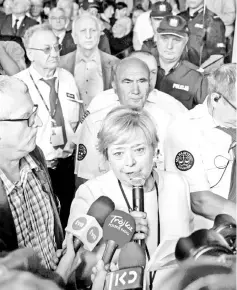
{"x":90,"y":66}
{"x":54,"y":90}
{"x":18,"y":22}
{"x":58,"y":21}
{"x":201,"y":145}
{"x":29,"y":215}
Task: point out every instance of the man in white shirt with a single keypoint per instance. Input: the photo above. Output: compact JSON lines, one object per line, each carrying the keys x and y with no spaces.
{"x":201,"y":145}
{"x":131,"y":84}
{"x":164,"y":101}
{"x":54,"y":90}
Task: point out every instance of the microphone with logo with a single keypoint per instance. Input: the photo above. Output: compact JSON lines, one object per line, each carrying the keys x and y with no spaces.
{"x":119,"y":228}
{"x":138,"y":182}
{"x":131,"y":262}
{"x":87,"y":228}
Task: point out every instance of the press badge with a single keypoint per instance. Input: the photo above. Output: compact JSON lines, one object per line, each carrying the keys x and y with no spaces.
{"x":57,"y":136}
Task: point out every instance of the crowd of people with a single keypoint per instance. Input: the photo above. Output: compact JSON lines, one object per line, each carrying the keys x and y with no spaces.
{"x":95,"y":93}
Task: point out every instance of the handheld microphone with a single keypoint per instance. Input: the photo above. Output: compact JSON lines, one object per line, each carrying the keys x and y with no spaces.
{"x":138,"y":182}
{"x":119,"y":228}
{"x":132,"y":261}
{"x":87,"y":229}
{"x":24,"y":259}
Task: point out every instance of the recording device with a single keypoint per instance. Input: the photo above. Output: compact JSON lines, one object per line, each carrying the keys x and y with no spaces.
{"x":131,"y":262}
{"x":87,"y":228}
{"x":119,"y":228}
{"x":202,"y":243}
{"x":22,"y":259}
{"x":138,"y":182}
{"x":225,"y":225}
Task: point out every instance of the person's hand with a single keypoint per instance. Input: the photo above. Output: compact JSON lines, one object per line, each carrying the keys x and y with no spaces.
{"x":69,"y":261}
{"x":98,"y":275}
{"x":142,"y":229}
{"x":56,"y":259}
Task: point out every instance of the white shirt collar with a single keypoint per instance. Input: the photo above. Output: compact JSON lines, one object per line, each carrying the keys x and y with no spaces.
{"x":61,"y":36}
{"x":19,"y":22}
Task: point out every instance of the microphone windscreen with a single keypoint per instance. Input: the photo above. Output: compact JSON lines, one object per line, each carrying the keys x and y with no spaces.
{"x":119,"y":227}
{"x":223,"y":219}
{"x":101,"y":208}
{"x":132,"y":255}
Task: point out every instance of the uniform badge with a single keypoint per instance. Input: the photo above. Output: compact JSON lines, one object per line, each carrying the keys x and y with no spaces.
{"x":71,"y":96}
{"x":86,"y":114}
{"x":82,"y":151}
{"x":162,"y":8}
{"x":184,"y":160}
{"x":174,"y":22}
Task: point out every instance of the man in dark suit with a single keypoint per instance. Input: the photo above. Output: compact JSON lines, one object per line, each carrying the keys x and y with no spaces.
{"x":90,"y":66}
{"x":17,"y":23}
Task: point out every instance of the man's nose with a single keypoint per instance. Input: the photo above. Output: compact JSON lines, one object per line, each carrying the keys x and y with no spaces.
{"x":88,"y":33}
{"x":37,"y":122}
{"x":129,"y":159}
{"x":135,"y":88}
{"x":170,"y":43}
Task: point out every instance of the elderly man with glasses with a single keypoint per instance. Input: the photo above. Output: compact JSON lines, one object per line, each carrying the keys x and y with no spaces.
{"x":54,"y":90}
{"x":29,"y":216}
{"x":201,"y":145}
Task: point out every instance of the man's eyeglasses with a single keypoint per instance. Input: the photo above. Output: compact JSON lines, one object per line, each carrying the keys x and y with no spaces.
{"x":30,"y":120}
{"x":226,"y":100}
{"x":47,"y":50}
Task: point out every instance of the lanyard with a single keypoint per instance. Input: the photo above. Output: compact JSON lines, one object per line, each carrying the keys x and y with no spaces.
{"x":151,"y":275}
{"x":47,"y":108}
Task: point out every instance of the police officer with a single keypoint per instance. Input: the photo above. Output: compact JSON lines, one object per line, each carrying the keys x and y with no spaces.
{"x":158,"y":11}
{"x":132,"y":86}
{"x":176,"y":77}
{"x":201,"y":145}
{"x":207,"y":31}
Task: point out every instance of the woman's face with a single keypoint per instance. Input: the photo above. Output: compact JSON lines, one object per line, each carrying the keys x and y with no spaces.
{"x":131,"y":157}
{"x":109,"y":11}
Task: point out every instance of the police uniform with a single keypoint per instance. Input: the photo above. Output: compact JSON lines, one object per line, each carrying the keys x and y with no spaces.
{"x":207,"y":34}
{"x":184,"y":83}
{"x":175,"y":214}
{"x":60,"y":161}
{"x":89,"y":162}
{"x":197,"y":149}
{"x":164,"y":101}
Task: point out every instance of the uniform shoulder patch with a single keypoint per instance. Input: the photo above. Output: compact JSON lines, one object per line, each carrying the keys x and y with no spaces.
{"x":190,"y":65}
{"x":184,"y":160}
{"x":81,"y":153}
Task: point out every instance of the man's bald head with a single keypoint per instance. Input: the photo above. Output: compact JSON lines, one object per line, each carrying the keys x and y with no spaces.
{"x":130,"y":63}
{"x":131,"y":82}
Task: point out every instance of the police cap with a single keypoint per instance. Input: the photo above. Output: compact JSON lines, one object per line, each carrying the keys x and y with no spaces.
{"x":90,"y":4}
{"x":174,"y":25}
{"x":160,"y":9}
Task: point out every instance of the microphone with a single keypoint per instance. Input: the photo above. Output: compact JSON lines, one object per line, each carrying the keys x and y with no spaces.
{"x":87,"y":229}
{"x":138,"y":182}
{"x":131,"y":262}
{"x":225,"y":225}
{"x":24,"y":259}
{"x":119,"y":228}
{"x":199,"y":243}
